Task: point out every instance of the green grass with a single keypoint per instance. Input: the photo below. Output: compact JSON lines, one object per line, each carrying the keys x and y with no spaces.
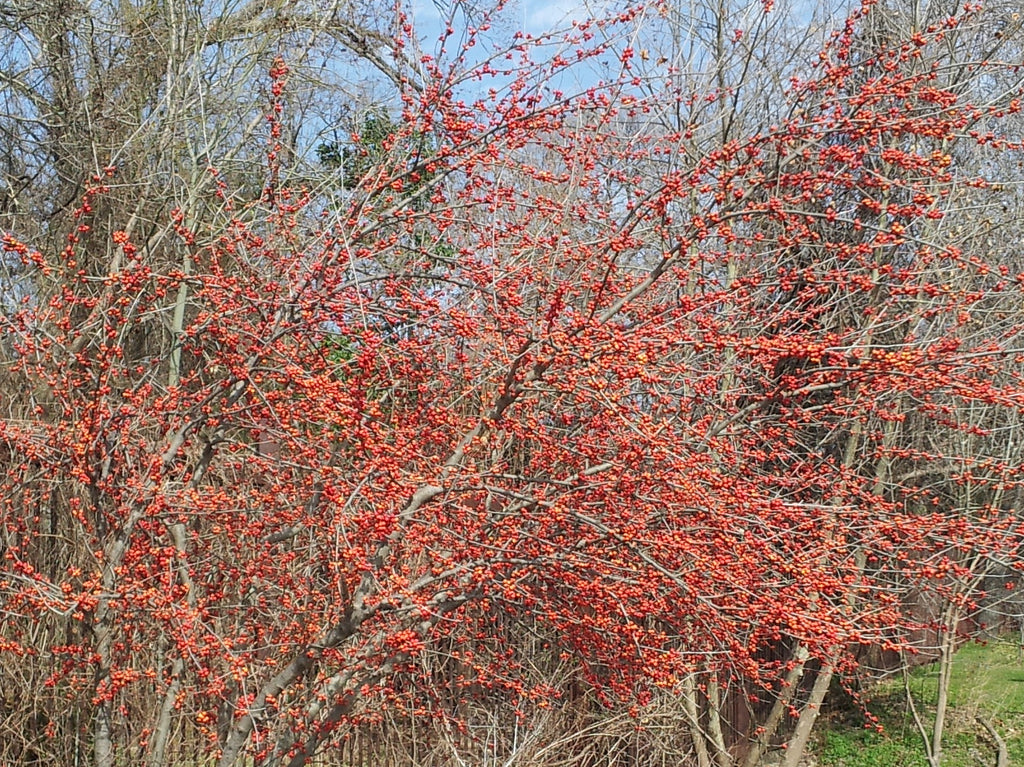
{"x":990,"y":676}
{"x":845,"y":747}
{"x":988,"y":681}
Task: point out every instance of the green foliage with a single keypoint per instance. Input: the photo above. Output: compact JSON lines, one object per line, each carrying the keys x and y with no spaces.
{"x":372,"y":145}
{"x":339,"y":349}
{"x":356,"y":160}
{"x":330,"y":155}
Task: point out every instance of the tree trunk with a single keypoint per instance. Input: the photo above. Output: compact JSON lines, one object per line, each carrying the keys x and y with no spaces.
{"x":781,"y":706}
{"x":808,"y":716}
{"x":947,"y":651}
{"x":692,"y":710}
{"x":722,"y":756}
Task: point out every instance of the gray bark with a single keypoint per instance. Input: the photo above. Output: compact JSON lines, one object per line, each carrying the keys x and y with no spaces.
{"x":808,"y":716}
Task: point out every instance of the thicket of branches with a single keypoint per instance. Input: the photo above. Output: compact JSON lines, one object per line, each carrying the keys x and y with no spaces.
{"x":601,"y":396}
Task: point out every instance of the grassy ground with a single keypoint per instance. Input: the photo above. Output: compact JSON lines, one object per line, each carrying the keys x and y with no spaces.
{"x":988,"y":681}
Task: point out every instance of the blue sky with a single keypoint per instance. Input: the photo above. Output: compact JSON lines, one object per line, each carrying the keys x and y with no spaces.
{"x":533,"y":16}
